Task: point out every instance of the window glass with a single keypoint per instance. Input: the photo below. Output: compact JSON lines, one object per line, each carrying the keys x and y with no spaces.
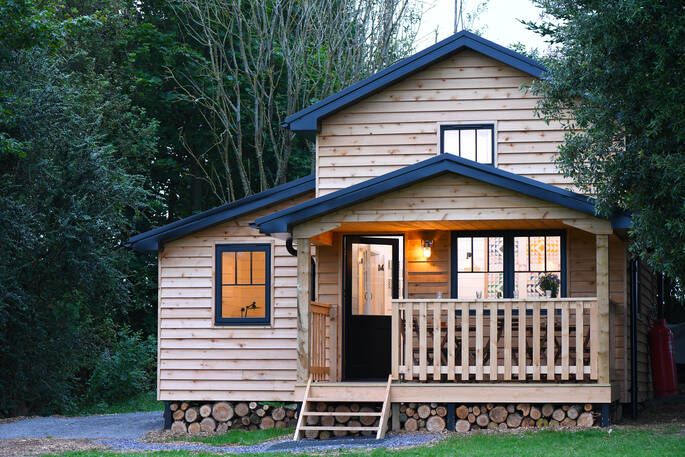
{"x":480,"y":267}
{"x":450,"y":142}
{"x":472,"y":142}
{"x":467,"y":144}
{"x":543,"y":257}
{"x":243,"y":291}
{"x":484,"y":145}
{"x":484,"y":263}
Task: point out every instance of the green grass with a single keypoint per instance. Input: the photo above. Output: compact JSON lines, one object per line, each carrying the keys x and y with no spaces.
{"x":623,"y":442}
{"x":240,"y":437}
{"x":144,"y":402}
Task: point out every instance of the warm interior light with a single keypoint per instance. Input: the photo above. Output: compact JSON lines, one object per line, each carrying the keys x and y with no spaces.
{"x":427,"y":245}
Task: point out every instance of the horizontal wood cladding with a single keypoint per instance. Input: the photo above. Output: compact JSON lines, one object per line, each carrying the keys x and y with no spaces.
{"x":448,"y":198}
{"x":399,"y":125}
{"x":201,"y":361}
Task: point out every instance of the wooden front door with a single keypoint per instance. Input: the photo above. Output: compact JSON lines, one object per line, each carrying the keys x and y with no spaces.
{"x":371,"y":282}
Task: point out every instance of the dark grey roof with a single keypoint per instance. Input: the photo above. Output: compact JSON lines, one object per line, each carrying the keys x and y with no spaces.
{"x":283,"y":221}
{"x":153,"y":239}
{"x":307,"y":120}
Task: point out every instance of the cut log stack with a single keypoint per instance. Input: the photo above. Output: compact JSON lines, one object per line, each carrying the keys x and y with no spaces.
{"x":206,"y":418}
{"x":423,"y":416}
{"x":503,"y":417}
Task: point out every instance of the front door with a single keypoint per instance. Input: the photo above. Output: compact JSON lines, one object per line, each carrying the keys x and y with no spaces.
{"x":371,"y":281}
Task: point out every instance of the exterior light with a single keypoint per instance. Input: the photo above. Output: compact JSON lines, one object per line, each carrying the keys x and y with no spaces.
{"x":427,"y":245}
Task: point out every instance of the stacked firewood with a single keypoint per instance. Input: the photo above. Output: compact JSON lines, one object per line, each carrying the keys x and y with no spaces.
{"x":503,"y":417}
{"x":345,"y":418}
{"x":195,"y":418}
{"x":424,"y":416}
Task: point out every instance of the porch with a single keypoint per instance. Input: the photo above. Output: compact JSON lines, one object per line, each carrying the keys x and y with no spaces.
{"x":533,"y":349}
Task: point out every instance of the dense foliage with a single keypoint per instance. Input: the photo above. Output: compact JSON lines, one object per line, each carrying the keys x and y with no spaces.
{"x":102,"y":137}
{"x":619,"y":72}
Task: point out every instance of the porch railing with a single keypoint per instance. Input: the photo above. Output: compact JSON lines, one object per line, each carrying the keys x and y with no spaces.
{"x":319,"y":322}
{"x":538,"y":340}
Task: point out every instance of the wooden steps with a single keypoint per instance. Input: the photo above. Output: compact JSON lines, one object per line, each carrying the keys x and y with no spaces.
{"x":347,"y":393}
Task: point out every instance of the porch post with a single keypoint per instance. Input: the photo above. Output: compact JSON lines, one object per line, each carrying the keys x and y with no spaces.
{"x":303,"y":281}
{"x":603,"y":362}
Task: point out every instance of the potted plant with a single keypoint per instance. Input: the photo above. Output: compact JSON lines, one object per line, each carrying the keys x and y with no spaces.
{"x":549,"y":284}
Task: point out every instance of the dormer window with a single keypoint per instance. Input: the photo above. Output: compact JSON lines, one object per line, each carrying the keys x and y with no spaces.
{"x":469,"y":141}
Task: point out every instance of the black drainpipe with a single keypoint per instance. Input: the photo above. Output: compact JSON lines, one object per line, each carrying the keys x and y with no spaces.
{"x":634,"y":307}
{"x":312,"y":283}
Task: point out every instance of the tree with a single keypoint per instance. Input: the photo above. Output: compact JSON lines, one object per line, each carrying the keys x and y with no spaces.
{"x":617,"y":79}
{"x":262,"y":61}
{"x":66,"y":202}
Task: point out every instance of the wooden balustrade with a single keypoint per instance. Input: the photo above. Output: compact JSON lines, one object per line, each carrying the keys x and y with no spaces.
{"x":531,"y":340}
{"x":319,"y":321}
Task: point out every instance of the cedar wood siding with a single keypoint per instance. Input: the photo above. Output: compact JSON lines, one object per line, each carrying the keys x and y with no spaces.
{"x":399,"y":125}
{"x":199,"y":360}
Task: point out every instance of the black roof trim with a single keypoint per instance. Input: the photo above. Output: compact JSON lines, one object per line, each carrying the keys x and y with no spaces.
{"x":307,"y":120}
{"x":153,"y":239}
{"x":283,"y":221}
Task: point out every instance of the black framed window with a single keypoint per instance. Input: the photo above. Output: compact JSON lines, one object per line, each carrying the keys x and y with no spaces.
{"x":470,"y":141}
{"x":243,"y":284}
{"x":506,"y":264}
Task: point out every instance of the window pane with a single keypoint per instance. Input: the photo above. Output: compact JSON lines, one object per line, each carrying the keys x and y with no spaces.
{"x":496,"y":253}
{"x":450,"y":141}
{"x":521,"y":253}
{"x":243,"y":301}
{"x":471,"y":286}
{"x":243,"y":267}
{"x":537,"y":253}
{"x":526,"y":284}
{"x":468,"y":144}
{"x":554,"y":253}
{"x":484,"y":141}
{"x":228,"y":268}
{"x":479,"y":254}
{"x":258,"y":267}
{"x":464,"y":254}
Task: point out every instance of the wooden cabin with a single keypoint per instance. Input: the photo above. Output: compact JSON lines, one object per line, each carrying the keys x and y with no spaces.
{"x":406,"y":269}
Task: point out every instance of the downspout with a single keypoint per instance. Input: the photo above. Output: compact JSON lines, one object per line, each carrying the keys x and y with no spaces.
{"x":634,"y":307}
{"x":312,"y":284}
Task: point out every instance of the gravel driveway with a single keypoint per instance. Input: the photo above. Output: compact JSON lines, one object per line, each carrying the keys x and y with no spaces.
{"x":127,"y":426}
{"x":124,"y":432}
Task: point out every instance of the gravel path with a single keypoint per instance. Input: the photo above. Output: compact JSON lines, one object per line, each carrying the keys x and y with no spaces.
{"x":124,"y":432}
{"x":129,"y":426}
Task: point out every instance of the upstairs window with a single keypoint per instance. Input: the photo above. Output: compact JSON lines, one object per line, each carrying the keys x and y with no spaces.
{"x":243,"y":284}
{"x":473,"y":142}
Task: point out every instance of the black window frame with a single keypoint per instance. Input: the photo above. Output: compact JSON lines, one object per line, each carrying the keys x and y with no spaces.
{"x":240,"y":247}
{"x":509,"y":267}
{"x":475,"y":127}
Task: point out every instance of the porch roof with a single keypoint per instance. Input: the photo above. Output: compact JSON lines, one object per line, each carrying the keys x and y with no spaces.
{"x":284,"y":221}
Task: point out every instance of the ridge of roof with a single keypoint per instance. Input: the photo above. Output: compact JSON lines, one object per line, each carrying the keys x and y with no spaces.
{"x":307,"y":119}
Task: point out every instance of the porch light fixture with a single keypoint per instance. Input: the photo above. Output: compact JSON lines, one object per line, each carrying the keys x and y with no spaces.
{"x":427,"y":245}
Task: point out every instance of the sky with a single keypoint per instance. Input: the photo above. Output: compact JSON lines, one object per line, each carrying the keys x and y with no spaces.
{"x":497,"y":23}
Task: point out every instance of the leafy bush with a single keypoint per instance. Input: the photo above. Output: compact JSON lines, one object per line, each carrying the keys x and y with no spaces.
{"x":124,"y":370}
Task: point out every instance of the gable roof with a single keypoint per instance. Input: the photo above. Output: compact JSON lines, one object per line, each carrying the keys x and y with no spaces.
{"x":307,"y":120}
{"x":283,"y":221}
{"x":153,"y":239}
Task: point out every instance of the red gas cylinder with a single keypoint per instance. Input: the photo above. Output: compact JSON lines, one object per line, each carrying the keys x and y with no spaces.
{"x":664,"y":374}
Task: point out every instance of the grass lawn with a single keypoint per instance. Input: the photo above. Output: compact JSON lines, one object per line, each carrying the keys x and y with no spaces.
{"x":662,"y":441}
{"x":144,"y":402}
{"x":239,"y":437}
